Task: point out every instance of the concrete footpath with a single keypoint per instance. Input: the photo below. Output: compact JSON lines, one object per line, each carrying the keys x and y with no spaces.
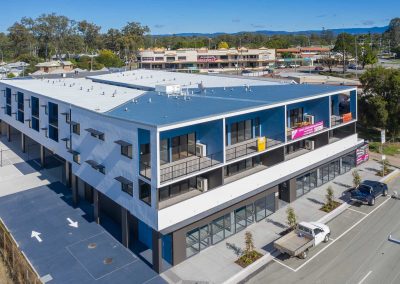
{"x":216,"y":263}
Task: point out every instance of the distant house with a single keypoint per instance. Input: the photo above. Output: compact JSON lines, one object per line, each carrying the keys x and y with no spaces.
{"x":55,"y":66}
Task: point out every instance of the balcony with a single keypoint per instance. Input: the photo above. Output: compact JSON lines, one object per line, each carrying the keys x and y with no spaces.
{"x":249,"y":147}
{"x":340,"y":119}
{"x":145,"y":170}
{"x":186,"y":166}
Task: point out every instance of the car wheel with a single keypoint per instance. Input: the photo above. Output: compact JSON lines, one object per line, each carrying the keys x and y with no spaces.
{"x":326,"y":239}
{"x":372,"y":202}
{"x":303,"y":255}
{"x":385,"y":192}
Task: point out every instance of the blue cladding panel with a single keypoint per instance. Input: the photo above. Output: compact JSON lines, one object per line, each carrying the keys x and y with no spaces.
{"x":317,"y":107}
{"x":353,"y":103}
{"x":167,"y":248}
{"x":145,"y":234}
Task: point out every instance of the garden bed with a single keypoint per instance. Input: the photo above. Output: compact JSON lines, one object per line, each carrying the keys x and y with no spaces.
{"x":379,"y":173}
{"x":329,"y":208}
{"x":246,"y":260}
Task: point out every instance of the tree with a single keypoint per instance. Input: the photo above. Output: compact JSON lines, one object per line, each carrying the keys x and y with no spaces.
{"x":393,"y":31}
{"x":223,"y":44}
{"x":329,"y":61}
{"x":91,"y":35}
{"x":345,"y":45}
{"x":109,"y":59}
{"x":287,"y":55}
{"x":291,"y":217}
{"x":356,"y":179}
{"x":329,"y":197}
{"x":21,"y":39}
{"x":132,"y":39}
{"x":368,"y":56}
{"x":381,"y":99}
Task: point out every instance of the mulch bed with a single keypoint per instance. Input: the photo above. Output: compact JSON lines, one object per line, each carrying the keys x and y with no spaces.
{"x":379,"y":173}
{"x":252,"y":258}
{"x":327,"y":209}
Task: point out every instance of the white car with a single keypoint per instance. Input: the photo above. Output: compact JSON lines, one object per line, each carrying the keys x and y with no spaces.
{"x":294,"y":65}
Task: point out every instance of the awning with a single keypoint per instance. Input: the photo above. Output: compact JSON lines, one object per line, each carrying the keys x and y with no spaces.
{"x":95,"y":165}
{"x":65,"y":113}
{"x":44,"y":128}
{"x":65,"y":139}
{"x":123,"y":143}
{"x":73,"y":152}
{"x":123,"y":180}
{"x":73,"y":123}
{"x":94,"y":131}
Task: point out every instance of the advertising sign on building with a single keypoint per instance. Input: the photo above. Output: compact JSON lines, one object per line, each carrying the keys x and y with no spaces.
{"x":362,"y":154}
{"x":307,"y":130}
{"x":346,"y":117}
{"x":206,"y":58}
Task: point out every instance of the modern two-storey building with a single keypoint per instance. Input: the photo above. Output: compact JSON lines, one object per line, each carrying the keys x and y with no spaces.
{"x":183,"y":161}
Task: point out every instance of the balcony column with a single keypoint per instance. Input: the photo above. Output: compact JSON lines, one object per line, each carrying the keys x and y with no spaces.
{"x":67,"y":173}
{"x":157,"y":251}
{"x":125,"y":226}
{"x":23,"y":142}
{"x":8,"y":132}
{"x":74,"y":188}
{"x":42,"y":156}
{"x":96,"y":206}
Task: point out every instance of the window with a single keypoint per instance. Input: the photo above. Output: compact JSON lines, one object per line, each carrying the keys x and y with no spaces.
{"x":53,"y":114}
{"x":241,"y":166}
{"x":183,"y":146}
{"x":145,"y":192}
{"x":76,"y":158}
{"x":76,"y":128}
{"x":295,"y":116}
{"x":127,"y":188}
{"x":126,"y":151}
{"x":241,"y":131}
{"x":53,"y":133}
{"x":176,"y":189}
{"x":95,"y":133}
{"x":35,"y":124}
{"x":8,"y":101}
{"x":35,"y":107}
{"x":164,"y":152}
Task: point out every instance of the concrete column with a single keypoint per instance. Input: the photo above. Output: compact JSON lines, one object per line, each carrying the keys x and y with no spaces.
{"x":125,"y":226}
{"x":67,"y":174}
{"x":8,"y":133}
{"x":23,"y":142}
{"x":42,"y":156}
{"x":135,"y":228}
{"x":74,"y":187}
{"x":157,"y":251}
{"x":96,"y":206}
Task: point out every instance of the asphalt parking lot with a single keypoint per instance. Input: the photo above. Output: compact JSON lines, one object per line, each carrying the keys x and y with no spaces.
{"x":64,"y":245}
{"x":359,"y":250}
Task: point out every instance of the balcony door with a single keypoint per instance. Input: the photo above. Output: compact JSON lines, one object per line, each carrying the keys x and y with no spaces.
{"x":183,"y":146}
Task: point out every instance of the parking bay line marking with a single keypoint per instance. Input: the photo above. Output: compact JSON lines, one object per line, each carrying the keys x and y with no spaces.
{"x":356,"y":211}
{"x":365,"y":277}
{"x":281,"y":263}
{"x":344,"y":233}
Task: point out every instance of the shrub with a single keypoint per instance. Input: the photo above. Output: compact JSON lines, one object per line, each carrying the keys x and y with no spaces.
{"x":291,"y":217}
{"x":356,"y":179}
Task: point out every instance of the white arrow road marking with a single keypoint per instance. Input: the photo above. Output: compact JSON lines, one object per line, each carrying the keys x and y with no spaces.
{"x":72,"y":223}
{"x":36,"y":236}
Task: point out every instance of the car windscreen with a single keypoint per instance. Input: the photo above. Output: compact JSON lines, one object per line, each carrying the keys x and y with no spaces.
{"x":364,"y":189}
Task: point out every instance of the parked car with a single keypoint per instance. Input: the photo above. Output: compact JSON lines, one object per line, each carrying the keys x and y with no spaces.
{"x":319,"y":68}
{"x":305,"y":236}
{"x":246,"y":71}
{"x":281,"y":66}
{"x":354,"y":67}
{"x":368,"y":191}
{"x":212,"y":71}
{"x":294,"y":65}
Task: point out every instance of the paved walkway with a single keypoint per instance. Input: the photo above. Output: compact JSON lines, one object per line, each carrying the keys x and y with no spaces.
{"x":216,"y":263}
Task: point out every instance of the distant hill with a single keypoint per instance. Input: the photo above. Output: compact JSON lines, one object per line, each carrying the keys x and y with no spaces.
{"x":354,"y":31}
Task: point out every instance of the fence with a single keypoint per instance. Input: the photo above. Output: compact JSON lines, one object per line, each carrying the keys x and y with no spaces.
{"x":19,"y":267}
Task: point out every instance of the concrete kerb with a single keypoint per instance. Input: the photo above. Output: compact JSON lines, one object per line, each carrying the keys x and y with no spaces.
{"x":264,"y":260}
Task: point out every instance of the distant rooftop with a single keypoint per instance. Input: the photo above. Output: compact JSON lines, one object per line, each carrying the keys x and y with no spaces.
{"x":157,"y":109}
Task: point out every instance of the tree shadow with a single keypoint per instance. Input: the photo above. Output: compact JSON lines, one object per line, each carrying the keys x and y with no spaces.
{"x":342,"y":184}
{"x":313,"y":200}
{"x":237,"y":250}
{"x":276,"y":223}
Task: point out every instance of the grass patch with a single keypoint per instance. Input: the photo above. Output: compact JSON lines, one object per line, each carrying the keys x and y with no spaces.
{"x":246,"y":260}
{"x":389,"y":149}
{"x":330,"y":207}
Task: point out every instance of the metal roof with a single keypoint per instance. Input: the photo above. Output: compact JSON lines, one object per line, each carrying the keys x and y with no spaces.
{"x":161,"y":110}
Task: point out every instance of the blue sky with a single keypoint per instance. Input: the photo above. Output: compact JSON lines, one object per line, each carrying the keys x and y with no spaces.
{"x":176,"y":16}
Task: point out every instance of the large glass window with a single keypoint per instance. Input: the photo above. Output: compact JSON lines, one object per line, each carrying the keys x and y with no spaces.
{"x":35,"y":123}
{"x":20,"y":106}
{"x":164,"y":152}
{"x":53,"y":133}
{"x":241,"y":131}
{"x":8,"y":101}
{"x":241,"y":166}
{"x":240,"y":219}
{"x":35,"y":107}
{"x":295,"y":116}
{"x":192,"y":242}
{"x":204,"y":237}
{"x":176,"y":189}
{"x":183,"y":146}
{"x":53,"y":114}
{"x":260,"y":209}
{"x":145,"y":192}
{"x":217,"y":228}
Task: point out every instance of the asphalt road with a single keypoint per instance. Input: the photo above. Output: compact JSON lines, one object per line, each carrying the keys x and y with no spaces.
{"x":359,"y":251}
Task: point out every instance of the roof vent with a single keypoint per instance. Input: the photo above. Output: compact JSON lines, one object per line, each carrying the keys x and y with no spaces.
{"x":103,"y":93}
{"x":126,"y":109}
{"x":149,"y":100}
{"x":168,"y":89}
{"x":80,"y":88}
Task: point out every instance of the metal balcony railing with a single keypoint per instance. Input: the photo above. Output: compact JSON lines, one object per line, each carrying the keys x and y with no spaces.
{"x":191,"y":165}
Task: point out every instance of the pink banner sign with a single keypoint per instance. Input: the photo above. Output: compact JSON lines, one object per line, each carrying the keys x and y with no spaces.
{"x":307,"y":130}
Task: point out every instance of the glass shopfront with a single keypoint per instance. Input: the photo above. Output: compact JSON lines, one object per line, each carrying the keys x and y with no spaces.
{"x":229,"y":224}
{"x":323,"y":174}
